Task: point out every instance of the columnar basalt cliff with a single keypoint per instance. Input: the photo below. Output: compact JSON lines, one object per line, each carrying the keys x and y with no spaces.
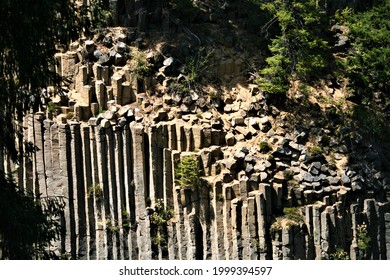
{"x":269,"y":185}
{"x":112,"y":175}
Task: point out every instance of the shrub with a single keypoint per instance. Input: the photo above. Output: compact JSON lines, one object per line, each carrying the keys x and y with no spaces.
{"x":363,"y":239}
{"x":95,"y":189}
{"x":111,"y":227}
{"x":126,"y":224}
{"x":161,"y":216}
{"x":69,"y":115}
{"x":315,"y":151}
{"x":294,"y":214}
{"x":52,"y":107}
{"x":159,"y":220}
{"x":292,"y":217}
{"x":188,"y":173}
{"x":340,"y":254}
{"x":265,"y":147}
{"x":140,"y":66}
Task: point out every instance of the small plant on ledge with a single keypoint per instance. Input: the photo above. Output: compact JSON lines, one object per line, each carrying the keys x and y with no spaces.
{"x":264,"y":147}
{"x":292,"y":217}
{"x":95,"y":189}
{"x":188,"y":172}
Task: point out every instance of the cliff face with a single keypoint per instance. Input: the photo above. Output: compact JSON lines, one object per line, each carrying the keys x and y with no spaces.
{"x":118,"y":175}
{"x":272,"y":184}
{"x":112,"y":176}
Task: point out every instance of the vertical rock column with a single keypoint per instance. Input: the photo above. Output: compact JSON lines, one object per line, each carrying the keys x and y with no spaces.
{"x":27,"y":160}
{"x":387,"y":233}
{"x":244,"y":237}
{"x":47,"y":159}
{"x":172,"y":136}
{"x":382,"y":211}
{"x":372,"y":228}
{"x":218,"y":231}
{"x":181,"y":203}
{"x":287,"y":242}
{"x":101,"y":94}
{"x":140,"y":192}
{"x":227,"y":221}
{"x":52,"y":155}
{"x":93,"y":196}
{"x":130,"y":235}
{"x":168,"y":179}
{"x":88,"y":190}
{"x":317,"y":230}
{"x":236,"y":253}
{"x":354,"y":250}
{"x":120,"y":183}
{"x":102,"y":205}
{"x":181,"y":137}
{"x":78,"y":191}
{"x":116,"y":82}
{"x":111,"y":217}
{"x":325,"y":234}
{"x":55,"y":186}
{"x":39,"y":176}
{"x":156,"y":163}
{"x":204,"y":228}
{"x":65,"y":176}
{"x":309,"y":239}
{"x":253,"y":239}
{"x":175,"y":248}
{"x":261,"y":225}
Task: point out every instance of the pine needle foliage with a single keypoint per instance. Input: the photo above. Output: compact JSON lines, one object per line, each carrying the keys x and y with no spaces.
{"x":298,"y":50}
{"x":188,"y":172}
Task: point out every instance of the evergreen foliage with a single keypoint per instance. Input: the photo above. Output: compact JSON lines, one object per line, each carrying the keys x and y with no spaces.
{"x":29,"y":34}
{"x":298,"y":49}
{"x":27,"y":225}
{"x":367,"y":64}
{"x":188,"y":172}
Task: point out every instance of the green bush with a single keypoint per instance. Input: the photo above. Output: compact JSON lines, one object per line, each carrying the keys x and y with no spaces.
{"x":315,"y":151}
{"x":340,"y":254}
{"x":264,"y":147}
{"x":52,"y":107}
{"x":294,"y":214}
{"x":367,"y":61}
{"x":140,"y":66}
{"x":188,"y":172}
{"x":69,"y":115}
{"x":298,"y":50}
{"x":95,"y":189}
{"x":161,"y":216}
{"x":363,"y":239}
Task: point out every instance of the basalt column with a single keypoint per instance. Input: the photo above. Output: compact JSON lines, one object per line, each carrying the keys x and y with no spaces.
{"x":65,"y":176}
{"x":102,"y":205}
{"x":112,"y":217}
{"x":156,"y":162}
{"x":129,"y":212}
{"x":78,"y":192}
{"x":39,"y":176}
{"x":218,"y":234}
{"x":91,"y":180}
{"x":141,"y":192}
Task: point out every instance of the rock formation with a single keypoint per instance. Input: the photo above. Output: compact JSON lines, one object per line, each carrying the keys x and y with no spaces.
{"x":269,"y":187}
